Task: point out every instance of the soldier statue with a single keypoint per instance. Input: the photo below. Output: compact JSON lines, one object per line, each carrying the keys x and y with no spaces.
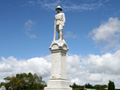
{"x":59,"y":23}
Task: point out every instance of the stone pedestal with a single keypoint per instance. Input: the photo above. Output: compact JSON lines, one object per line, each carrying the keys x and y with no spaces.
{"x":58,"y":80}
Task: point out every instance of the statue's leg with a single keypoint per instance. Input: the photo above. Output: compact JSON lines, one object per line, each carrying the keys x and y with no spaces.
{"x":60,"y":32}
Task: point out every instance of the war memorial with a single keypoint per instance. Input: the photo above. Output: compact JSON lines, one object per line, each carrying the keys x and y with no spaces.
{"x":58,"y":48}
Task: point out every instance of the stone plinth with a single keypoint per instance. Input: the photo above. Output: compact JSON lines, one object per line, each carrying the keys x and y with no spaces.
{"x":58,"y":80}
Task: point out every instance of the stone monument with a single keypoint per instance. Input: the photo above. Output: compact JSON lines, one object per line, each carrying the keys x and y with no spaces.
{"x":58,"y":48}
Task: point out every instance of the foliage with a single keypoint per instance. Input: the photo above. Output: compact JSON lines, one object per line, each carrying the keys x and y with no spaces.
{"x":88,"y":86}
{"x":77,"y":87}
{"x":74,"y":85}
{"x":97,"y":87}
{"x":25,"y":81}
{"x":111,"y":85}
{"x":100,"y":87}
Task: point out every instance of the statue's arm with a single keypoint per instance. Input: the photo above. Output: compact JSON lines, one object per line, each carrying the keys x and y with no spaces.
{"x":64,"y":18}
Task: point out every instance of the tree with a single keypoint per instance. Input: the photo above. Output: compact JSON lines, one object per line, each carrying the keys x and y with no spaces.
{"x":77,"y":87}
{"x":74,"y":85}
{"x":111,"y":85}
{"x":25,"y":81}
{"x":88,"y":86}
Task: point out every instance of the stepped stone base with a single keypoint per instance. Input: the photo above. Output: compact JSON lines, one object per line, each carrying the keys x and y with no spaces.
{"x":57,"y":85}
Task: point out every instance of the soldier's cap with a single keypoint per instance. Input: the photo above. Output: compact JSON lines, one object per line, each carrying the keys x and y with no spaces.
{"x":58,"y":7}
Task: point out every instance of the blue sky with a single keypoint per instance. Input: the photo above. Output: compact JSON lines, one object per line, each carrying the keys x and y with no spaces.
{"x":79,"y":22}
{"x":92,"y":28}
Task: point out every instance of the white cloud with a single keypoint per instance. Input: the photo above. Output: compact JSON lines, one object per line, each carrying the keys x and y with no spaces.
{"x":85,"y":5}
{"x":107,"y":34}
{"x":95,"y":77}
{"x":70,"y":35}
{"x":32,"y":3}
{"x":28,"y":28}
{"x":76,"y":80}
{"x":107,"y":63}
{"x":94,"y":69}
{"x":49,"y":4}
{"x":11,"y":66}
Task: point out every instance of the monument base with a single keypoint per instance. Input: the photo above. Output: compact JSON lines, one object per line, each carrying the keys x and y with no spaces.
{"x":58,"y":88}
{"x":57,"y":85}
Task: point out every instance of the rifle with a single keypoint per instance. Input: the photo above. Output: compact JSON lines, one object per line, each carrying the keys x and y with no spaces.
{"x":54,"y":32}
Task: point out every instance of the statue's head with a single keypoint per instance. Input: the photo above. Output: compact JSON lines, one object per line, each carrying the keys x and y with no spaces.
{"x":58,"y":8}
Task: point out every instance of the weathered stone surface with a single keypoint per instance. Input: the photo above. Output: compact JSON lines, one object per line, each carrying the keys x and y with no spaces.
{"x":58,"y":85}
{"x":58,"y":59}
{"x":58,"y":45}
{"x":58,"y":79}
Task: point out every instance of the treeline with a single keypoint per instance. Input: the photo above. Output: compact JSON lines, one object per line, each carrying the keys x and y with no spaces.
{"x":88,"y":86}
{"x":31,"y":81}
{"x":110,"y":86}
{"x":24,"y":81}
